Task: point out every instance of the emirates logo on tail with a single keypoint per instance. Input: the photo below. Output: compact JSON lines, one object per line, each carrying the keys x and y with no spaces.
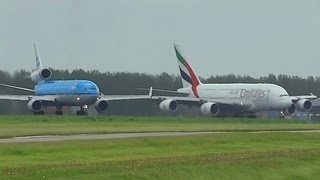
{"x":188,"y":76}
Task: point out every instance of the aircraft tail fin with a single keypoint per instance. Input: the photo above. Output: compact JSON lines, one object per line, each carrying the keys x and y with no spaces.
{"x":188,"y":75}
{"x":38,"y":59}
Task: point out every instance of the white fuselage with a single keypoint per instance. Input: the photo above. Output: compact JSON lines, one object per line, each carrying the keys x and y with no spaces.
{"x":258,"y":97}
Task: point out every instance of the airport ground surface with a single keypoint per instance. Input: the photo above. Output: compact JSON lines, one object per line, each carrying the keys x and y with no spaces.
{"x":246,"y":148}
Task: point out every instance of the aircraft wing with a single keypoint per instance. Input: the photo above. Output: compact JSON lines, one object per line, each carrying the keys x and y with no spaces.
{"x":127,"y":97}
{"x":47,"y":98}
{"x":163,"y":90}
{"x":310,"y":97}
{"x":124,"y":97}
{"x":17,"y":87}
{"x":192,"y":101}
{"x":52,"y":98}
{"x":16,"y":97}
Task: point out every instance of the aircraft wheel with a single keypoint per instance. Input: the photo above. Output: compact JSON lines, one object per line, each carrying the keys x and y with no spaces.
{"x":38,"y":113}
{"x":82,"y":113}
{"x":252,"y":116}
{"x":59,"y":112}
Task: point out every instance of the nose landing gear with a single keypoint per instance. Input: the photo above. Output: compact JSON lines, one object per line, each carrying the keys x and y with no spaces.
{"x":282,"y":114}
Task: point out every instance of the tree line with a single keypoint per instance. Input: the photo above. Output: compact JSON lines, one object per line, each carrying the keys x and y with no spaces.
{"x":128,"y":83}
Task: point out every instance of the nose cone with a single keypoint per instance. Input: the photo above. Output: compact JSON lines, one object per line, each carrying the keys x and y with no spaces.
{"x":92,"y":88}
{"x":284,"y":98}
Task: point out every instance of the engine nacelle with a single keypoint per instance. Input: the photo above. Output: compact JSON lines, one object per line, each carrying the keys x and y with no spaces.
{"x":209,"y":108}
{"x":41,"y":75}
{"x":35,"y":105}
{"x":291,"y":109}
{"x":304,"y":105}
{"x":169,"y":105}
{"x":101,"y":105}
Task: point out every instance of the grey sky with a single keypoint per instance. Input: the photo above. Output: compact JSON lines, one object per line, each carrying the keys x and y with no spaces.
{"x":247,"y":37}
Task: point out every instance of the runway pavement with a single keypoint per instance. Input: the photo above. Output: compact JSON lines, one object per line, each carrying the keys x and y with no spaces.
{"x":94,"y":136}
{"x":128,"y":135}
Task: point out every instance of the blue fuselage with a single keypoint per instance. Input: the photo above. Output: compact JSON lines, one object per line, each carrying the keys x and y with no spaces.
{"x":67,"y":87}
{"x":69,"y":92}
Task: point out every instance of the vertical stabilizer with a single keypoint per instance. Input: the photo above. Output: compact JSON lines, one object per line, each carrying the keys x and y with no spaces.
{"x":40,"y":74}
{"x":38,"y":59}
{"x":188,"y":75}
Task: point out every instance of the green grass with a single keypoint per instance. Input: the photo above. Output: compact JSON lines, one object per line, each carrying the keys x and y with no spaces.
{"x":236,"y":155}
{"x":11,"y":126}
{"x":211,"y":156}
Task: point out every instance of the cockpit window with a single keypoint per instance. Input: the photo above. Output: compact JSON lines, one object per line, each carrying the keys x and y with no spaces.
{"x":90,"y":88}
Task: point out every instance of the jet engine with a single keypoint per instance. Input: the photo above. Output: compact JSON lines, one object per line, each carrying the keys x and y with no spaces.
{"x":304,"y":105}
{"x":209,"y":108}
{"x":169,"y":105}
{"x":101,"y":105}
{"x":41,"y":75}
{"x":35,"y":105}
{"x":291,"y":109}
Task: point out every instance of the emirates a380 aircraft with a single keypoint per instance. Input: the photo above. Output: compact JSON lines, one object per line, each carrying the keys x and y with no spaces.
{"x":231,"y":99}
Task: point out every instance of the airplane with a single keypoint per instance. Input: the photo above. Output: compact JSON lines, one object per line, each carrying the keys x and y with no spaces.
{"x":229,"y":99}
{"x":61,"y":93}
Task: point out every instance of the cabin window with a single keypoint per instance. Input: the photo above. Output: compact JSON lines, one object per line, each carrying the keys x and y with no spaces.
{"x":284,"y":95}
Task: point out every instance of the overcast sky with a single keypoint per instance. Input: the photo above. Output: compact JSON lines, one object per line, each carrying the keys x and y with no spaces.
{"x":247,"y":37}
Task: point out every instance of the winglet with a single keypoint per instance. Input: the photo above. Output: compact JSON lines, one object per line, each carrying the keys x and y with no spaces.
{"x":313,"y":96}
{"x":150,"y":92}
{"x":38,"y":59}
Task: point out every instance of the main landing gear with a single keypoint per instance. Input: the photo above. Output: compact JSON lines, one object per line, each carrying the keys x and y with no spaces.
{"x":59,"y":111}
{"x":38,"y":113}
{"x":82,"y":111}
{"x":244,"y":115}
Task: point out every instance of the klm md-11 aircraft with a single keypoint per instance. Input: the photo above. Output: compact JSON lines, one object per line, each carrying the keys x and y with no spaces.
{"x":63,"y":92}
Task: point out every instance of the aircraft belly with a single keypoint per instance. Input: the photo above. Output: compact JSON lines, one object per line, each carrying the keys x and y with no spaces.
{"x":277,"y":104}
{"x":260,"y":105}
{"x":76,"y":100}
